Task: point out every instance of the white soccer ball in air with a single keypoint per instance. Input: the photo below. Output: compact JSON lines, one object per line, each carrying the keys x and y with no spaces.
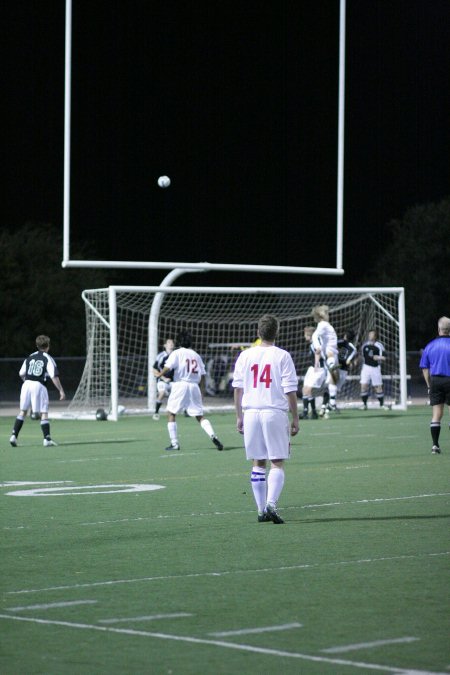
{"x":164,"y":181}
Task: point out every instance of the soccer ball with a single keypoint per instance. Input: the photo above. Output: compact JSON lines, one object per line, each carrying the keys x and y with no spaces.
{"x":101,"y":415}
{"x":164,"y":181}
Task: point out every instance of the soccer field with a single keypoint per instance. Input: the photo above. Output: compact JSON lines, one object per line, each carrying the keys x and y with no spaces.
{"x":118,"y":557}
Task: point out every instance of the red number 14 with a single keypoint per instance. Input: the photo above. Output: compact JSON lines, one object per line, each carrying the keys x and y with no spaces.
{"x":264,"y":377}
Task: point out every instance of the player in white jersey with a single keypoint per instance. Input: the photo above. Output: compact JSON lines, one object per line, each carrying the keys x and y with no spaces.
{"x":324,"y":341}
{"x":35,"y":371}
{"x":188,"y":373}
{"x":314,"y":381}
{"x":265,"y":389}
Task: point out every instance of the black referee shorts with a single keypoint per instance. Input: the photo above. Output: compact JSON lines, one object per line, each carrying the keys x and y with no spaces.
{"x":439,"y":389}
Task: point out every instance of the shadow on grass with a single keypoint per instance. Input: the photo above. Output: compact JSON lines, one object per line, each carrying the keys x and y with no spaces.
{"x":367,"y":518}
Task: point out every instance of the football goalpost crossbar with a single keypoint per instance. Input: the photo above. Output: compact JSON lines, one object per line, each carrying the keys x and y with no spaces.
{"x":126,"y":326}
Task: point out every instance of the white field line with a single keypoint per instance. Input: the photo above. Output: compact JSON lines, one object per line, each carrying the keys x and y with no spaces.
{"x":227,"y":645}
{"x":254,"y":631}
{"x":86,"y":459}
{"x":367,"y":645}
{"x":375,"y":500}
{"x":153,"y":617}
{"x":391,"y":438}
{"x":225,"y":573}
{"x":52,"y":605}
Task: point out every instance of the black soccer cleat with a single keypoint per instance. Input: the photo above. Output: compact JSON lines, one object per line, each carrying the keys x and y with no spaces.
{"x":264,"y":517}
{"x":217,"y":443}
{"x":273,"y":515}
{"x":314,"y":415}
{"x":435,"y":450}
{"x":174,"y":446}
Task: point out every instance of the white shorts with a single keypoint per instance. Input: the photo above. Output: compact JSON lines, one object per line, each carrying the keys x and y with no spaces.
{"x":35,"y":395}
{"x":266,"y":434}
{"x":371,"y":374}
{"x":164,"y":387}
{"x":315,"y":379}
{"x":185,"y":396}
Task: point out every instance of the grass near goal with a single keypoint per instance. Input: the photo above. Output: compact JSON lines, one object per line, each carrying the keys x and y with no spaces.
{"x":126,"y":326}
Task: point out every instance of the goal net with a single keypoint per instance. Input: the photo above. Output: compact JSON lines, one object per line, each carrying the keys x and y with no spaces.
{"x":127,"y":326}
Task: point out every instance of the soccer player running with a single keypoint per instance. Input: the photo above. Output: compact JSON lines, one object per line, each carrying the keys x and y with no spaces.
{"x":265,"y":388}
{"x":373,"y":355}
{"x":188,"y":373}
{"x":435,"y":364}
{"x":163,"y":383}
{"x":35,"y":371}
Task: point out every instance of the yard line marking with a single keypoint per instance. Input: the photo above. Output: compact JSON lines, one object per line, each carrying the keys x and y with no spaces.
{"x":153,"y":617}
{"x":368,"y":645}
{"x":285,"y":508}
{"x":223,"y":573}
{"x":248,"y":631}
{"x":227,"y":645}
{"x":85,"y":459}
{"x":402,"y":436}
{"x":52,"y":605}
{"x":18,"y":483}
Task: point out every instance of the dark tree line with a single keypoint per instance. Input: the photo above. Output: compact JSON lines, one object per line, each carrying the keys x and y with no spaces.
{"x":418,"y":258}
{"x":38,"y":296}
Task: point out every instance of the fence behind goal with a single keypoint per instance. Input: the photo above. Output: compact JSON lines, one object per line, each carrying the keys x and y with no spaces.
{"x":127,"y":326}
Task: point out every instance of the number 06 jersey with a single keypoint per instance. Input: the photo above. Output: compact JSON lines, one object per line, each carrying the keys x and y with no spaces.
{"x":266,"y":375}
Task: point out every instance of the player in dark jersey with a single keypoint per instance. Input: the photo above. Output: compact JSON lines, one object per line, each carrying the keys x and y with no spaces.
{"x":164,"y":382}
{"x":373,"y":355}
{"x":35,"y":371}
{"x":346,"y":354}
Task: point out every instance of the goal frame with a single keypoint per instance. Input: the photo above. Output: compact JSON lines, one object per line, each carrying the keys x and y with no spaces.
{"x":158,"y":293}
{"x":69,"y":262}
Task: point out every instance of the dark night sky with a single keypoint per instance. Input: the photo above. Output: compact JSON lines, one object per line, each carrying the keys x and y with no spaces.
{"x":237,"y":103}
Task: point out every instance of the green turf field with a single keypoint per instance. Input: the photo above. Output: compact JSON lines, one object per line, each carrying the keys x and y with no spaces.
{"x":101,"y":574}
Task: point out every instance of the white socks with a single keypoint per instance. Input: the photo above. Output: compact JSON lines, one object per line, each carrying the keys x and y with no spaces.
{"x":207,"y":427}
{"x":172,"y":429}
{"x":258,"y":481}
{"x":275,"y":482}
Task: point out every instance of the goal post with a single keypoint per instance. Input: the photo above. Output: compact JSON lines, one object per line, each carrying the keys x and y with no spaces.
{"x":126,"y":326}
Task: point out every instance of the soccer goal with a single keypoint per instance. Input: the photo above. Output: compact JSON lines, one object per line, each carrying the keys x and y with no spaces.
{"x":126,"y":327}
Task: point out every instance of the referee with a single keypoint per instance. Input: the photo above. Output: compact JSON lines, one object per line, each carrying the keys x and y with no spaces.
{"x":435,"y":364}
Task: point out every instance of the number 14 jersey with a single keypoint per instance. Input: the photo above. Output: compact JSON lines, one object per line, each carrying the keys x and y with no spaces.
{"x":266,"y":374}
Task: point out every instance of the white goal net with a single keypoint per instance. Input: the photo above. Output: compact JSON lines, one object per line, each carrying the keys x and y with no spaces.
{"x":127,"y":326}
